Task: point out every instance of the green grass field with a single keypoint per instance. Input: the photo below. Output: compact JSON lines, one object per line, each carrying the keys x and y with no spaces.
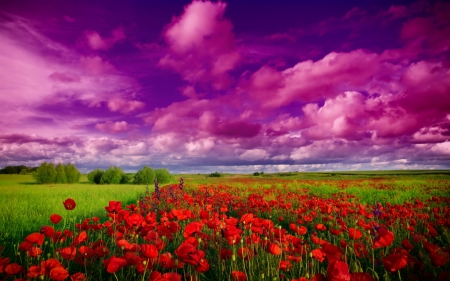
{"x":26,"y":206}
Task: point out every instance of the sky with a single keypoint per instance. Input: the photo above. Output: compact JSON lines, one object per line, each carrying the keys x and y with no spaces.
{"x":228,"y":86}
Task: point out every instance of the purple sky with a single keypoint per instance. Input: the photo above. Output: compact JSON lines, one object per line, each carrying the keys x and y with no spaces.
{"x":236,"y":86}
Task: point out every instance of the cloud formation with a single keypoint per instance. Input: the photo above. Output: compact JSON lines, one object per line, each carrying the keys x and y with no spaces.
{"x":216,"y":96}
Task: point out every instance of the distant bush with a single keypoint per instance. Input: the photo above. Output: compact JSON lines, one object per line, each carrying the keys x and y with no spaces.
{"x":258,"y":173}
{"x":95,"y":176}
{"x":126,"y":178}
{"x":22,"y":170}
{"x":72,"y":173}
{"x":46,"y":173}
{"x":163,"y":175}
{"x":113,"y":175}
{"x":145,"y":175}
{"x":60,"y":174}
{"x":215,"y":175}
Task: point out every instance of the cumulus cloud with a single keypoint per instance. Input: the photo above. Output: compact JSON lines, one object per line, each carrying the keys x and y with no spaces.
{"x":96,"y":42}
{"x":201,"y":44}
{"x":114,"y":127}
{"x":125,"y":106}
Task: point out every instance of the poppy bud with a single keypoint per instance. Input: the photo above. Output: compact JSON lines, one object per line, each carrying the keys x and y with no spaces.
{"x":42,"y":277}
{"x":199,"y":240}
{"x":310,"y":254}
{"x":233,"y":257}
{"x":262,"y":275}
{"x":144,"y":262}
{"x":307,"y":275}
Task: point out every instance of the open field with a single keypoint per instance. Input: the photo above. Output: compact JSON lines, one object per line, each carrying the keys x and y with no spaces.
{"x":370,"y":225}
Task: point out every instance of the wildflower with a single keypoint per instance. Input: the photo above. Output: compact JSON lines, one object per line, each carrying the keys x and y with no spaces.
{"x":394,"y":262}
{"x":238,"y":276}
{"x":55,"y":218}
{"x":69,"y":204}
{"x":384,"y":238}
{"x":59,"y":273}
{"x":338,"y":271}
{"x":114,"y":207}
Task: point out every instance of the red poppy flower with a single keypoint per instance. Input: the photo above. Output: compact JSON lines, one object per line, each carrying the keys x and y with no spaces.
{"x":113,"y":264}
{"x":13,"y":268}
{"x":114,"y":207}
{"x":48,"y":231}
{"x":68,"y":253}
{"x":35,"y":238}
{"x":86,"y":252}
{"x":394,"y":262}
{"x":34,"y":271}
{"x":285,"y":265}
{"x":384,"y":238}
{"x":274,"y":249}
{"x":192,"y":228}
{"x":202,"y":266}
{"x":438,"y":259}
{"x":59,"y":273}
{"x":149,"y":251}
{"x":55,"y":218}
{"x":169,"y":276}
{"x":361,"y":276}
{"x":407,"y":245}
{"x":77,"y":277}
{"x":318,"y":254}
{"x":48,"y":265}
{"x":354,"y":233}
{"x":320,"y":227}
{"x":338,"y":271}
{"x":238,"y":276}
{"x":34,"y":252}
{"x":225,"y":254}
{"x":69,"y":204}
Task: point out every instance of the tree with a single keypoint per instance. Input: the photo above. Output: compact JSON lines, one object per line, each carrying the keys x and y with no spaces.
{"x":72,"y":173}
{"x":46,"y":173}
{"x":60,"y":174}
{"x":113,"y":175}
{"x":163,"y":175}
{"x":23,"y":172}
{"x":145,"y":175}
{"x":215,"y":175}
{"x":95,"y":176}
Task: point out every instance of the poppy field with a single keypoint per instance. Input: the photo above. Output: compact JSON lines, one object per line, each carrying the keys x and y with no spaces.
{"x":247,"y":228}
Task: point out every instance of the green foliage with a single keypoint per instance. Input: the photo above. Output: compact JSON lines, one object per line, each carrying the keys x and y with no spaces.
{"x":258,"y":174}
{"x":23,"y":172}
{"x":95,"y":176}
{"x":46,"y":173}
{"x":163,"y":175}
{"x":215,"y":175}
{"x":17,"y":170}
{"x":113,"y":175}
{"x":145,"y":175}
{"x":60,"y":174}
{"x":72,"y":173}
{"x":126,"y":178}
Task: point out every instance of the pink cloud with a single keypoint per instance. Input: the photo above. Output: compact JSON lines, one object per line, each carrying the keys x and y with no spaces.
{"x":397,"y":11}
{"x":201,"y":44}
{"x":65,"y":77}
{"x":124,"y":106}
{"x":97,"y":42}
{"x":113,"y":127}
{"x":310,"y":81}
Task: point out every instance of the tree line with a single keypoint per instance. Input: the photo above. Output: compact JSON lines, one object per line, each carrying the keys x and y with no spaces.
{"x":49,"y":173}
{"x":21,"y":169}
{"x":115,"y":175}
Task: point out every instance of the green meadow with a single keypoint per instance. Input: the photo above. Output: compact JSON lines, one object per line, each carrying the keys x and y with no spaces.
{"x":26,"y":206}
